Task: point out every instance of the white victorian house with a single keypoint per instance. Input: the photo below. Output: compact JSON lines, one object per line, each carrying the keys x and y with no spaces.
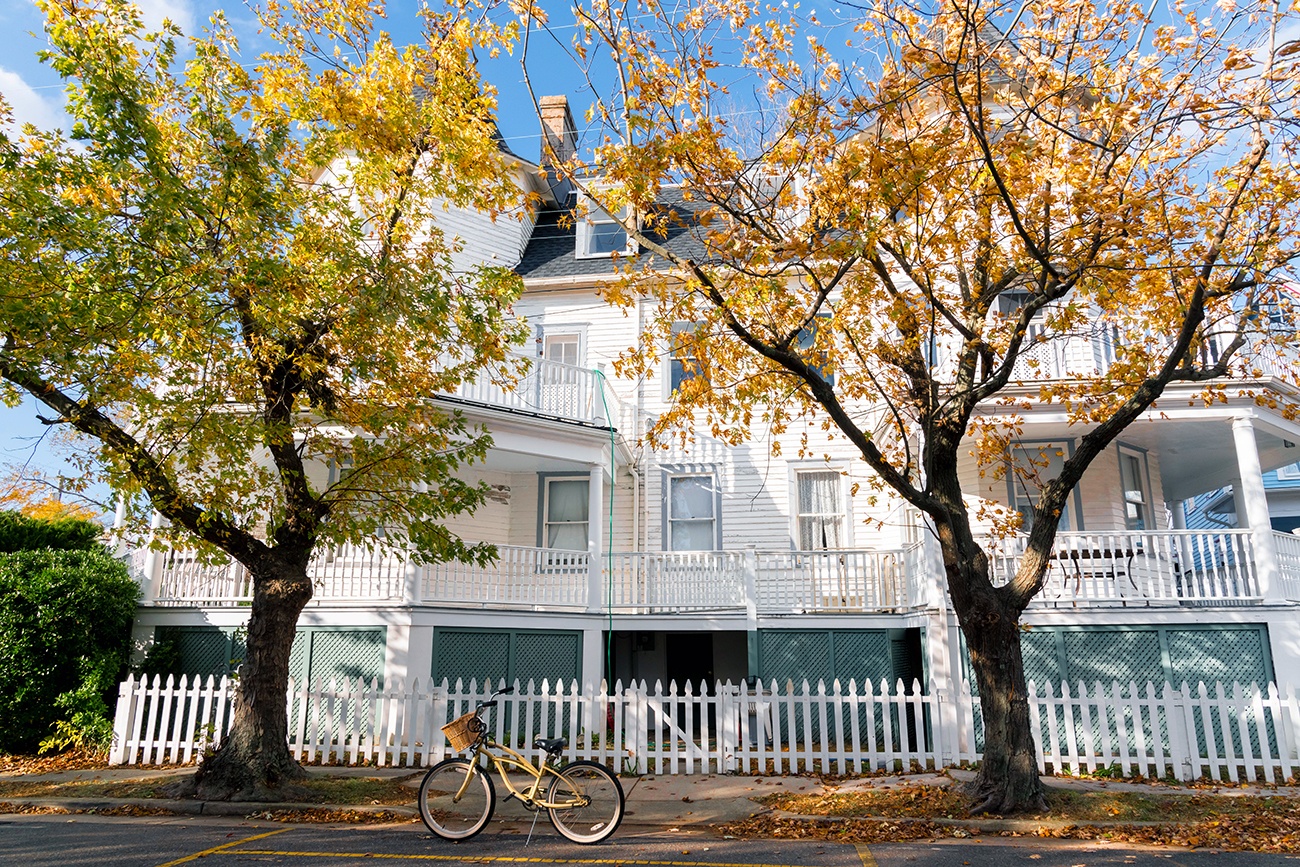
{"x":713,"y":562}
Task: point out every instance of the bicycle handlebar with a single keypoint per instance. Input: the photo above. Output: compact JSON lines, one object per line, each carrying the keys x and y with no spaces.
{"x":492,"y":700}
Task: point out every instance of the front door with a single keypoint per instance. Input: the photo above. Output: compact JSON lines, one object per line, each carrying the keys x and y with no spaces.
{"x":690,"y":658}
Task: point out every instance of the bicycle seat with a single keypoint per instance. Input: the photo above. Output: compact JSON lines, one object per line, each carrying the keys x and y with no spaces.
{"x":551,"y":745}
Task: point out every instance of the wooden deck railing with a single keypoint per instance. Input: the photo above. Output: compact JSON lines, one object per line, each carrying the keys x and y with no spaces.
{"x":1174,"y":567}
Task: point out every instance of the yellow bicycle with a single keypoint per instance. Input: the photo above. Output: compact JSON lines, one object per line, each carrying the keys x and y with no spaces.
{"x":583,"y":799}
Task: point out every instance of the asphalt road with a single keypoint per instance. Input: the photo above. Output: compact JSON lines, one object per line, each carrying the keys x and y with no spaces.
{"x":69,"y":841}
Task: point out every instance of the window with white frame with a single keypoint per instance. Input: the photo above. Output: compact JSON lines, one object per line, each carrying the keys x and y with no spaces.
{"x":566,"y":348}
{"x":1290,"y":471}
{"x":692,"y":513}
{"x":820,"y":515}
{"x":1136,"y":491}
{"x":682,"y":363}
{"x":1032,"y":467}
{"x":564,"y":510}
{"x":600,"y":234}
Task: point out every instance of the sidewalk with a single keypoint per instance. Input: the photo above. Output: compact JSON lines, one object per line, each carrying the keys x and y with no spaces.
{"x":658,"y":801}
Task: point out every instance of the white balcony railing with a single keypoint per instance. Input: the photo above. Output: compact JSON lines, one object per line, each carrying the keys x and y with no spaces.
{"x":548,"y":388}
{"x":356,"y":572}
{"x":536,"y":577}
{"x":677,"y":581}
{"x":830,"y":581}
{"x":349,"y":572}
{"x":1090,"y":352}
{"x":1288,"y":555}
{"x":184,"y":579}
{"x":1176,"y":567}
{"x":1170,"y":567}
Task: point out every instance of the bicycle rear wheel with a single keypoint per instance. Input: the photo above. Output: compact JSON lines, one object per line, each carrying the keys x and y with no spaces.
{"x":593,"y":798}
{"x":446,"y":815}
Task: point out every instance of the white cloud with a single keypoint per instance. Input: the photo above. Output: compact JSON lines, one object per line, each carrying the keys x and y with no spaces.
{"x":180,"y":12}
{"x":43,"y":110}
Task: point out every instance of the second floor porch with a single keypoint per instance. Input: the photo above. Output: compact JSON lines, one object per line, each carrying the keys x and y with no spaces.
{"x":1173,"y":568}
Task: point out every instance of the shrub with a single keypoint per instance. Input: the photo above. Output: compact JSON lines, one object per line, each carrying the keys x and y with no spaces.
{"x":21,"y":533}
{"x":65,"y":628}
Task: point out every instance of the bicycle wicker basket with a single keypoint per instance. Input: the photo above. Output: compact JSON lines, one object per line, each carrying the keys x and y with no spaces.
{"x":463,"y":731}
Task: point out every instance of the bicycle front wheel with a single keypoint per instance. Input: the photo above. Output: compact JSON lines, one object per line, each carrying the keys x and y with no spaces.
{"x":590,"y":799}
{"x":449,"y":816}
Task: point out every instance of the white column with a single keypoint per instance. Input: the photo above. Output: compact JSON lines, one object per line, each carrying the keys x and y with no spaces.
{"x":751,"y":611}
{"x":151,"y":579}
{"x":411,"y":581}
{"x":397,"y":653}
{"x":1182,"y":545}
{"x":595,"y":548}
{"x":593,"y":666}
{"x":1284,"y":636}
{"x":1252,"y":499}
{"x":1178,"y":511}
{"x":419,"y":652}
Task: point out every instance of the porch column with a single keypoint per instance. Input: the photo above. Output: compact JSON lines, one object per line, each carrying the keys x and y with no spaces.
{"x":1182,"y":546}
{"x":593,"y":670}
{"x":751,"y":611}
{"x":1178,"y":509}
{"x":152,"y":568}
{"x":595,"y":525}
{"x":1252,"y":499}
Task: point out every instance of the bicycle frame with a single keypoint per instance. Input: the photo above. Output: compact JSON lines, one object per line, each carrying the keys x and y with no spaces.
{"x":530,"y":796}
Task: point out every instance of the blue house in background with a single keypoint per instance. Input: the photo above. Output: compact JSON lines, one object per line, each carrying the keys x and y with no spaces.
{"x":1219,"y":509}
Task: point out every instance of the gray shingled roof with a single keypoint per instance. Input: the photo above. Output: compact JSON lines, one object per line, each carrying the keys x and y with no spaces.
{"x":551,"y":252}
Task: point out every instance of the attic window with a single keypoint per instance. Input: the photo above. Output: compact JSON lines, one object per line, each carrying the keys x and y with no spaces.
{"x":599,"y":234}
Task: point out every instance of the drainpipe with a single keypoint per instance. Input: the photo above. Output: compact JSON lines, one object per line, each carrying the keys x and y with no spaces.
{"x":1255,"y":502}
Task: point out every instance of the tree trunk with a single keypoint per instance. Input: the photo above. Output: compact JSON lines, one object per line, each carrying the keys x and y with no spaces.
{"x":253,"y":762}
{"x":1008,"y":777}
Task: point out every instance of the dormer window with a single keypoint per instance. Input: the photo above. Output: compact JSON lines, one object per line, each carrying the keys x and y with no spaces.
{"x":599,"y":234}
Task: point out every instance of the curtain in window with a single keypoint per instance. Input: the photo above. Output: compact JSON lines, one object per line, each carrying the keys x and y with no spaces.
{"x":821,"y":522}
{"x":690,"y":513}
{"x":566,"y":515}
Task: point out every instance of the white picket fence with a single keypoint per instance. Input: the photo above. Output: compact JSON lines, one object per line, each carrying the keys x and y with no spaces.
{"x":1231,"y":732}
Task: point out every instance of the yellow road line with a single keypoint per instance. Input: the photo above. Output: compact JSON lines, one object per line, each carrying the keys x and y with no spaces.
{"x":505,"y":859}
{"x":215,"y":849}
{"x":868,"y":860}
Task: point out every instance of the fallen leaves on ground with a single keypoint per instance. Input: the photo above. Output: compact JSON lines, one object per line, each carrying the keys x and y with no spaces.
{"x":314,"y":790}
{"x":846,"y":831}
{"x":917,"y":802}
{"x":119,"y":810}
{"x":1270,"y":830}
{"x":69,"y":761}
{"x":29,"y":809}
{"x":930,"y":802}
{"x":330,"y":817}
{"x":1261,"y":832}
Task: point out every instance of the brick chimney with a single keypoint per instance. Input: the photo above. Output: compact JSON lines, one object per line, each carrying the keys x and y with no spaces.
{"x":560,"y":138}
{"x":559,"y":134}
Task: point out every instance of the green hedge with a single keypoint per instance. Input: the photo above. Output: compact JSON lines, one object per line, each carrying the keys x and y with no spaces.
{"x":21,"y":533}
{"x":65,"y":627}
